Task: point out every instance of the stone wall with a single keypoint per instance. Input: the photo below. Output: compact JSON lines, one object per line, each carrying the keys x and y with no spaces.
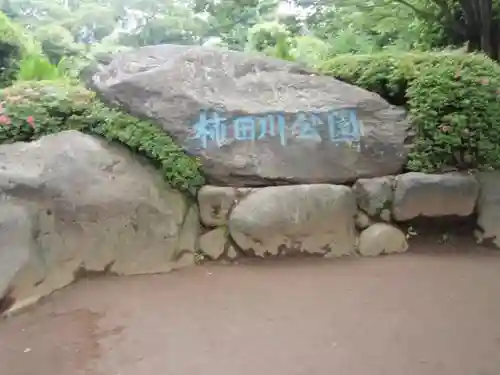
{"x":71,"y":204}
{"x":370,"y":218}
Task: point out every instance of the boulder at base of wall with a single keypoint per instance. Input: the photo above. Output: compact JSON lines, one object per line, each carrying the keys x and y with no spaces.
{"x":434,"y":195}
{"x":214,"y":243}
{"x":316,"y":219}
{"x":488,"y":207}
{"x":95,"y":207}
{"x":374,"y":194}
{"x":382,"y":238}
{"x":171,"y":84}
{"x":363,"y":221}
{"x":215,"y":202}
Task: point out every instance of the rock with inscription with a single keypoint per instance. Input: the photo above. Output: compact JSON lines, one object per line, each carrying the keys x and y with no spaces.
{"x":434,"y":195}
{"x":282,"y":220}
{"x":74,"y":203}
{"x":277,"y":123}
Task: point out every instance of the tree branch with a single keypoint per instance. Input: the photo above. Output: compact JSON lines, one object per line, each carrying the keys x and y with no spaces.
{"x":420,"y":12}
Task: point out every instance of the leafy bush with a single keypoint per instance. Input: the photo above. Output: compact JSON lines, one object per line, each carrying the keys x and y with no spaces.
{"x":309,"y":50}
{"x":37,"y":68}
{"x":57,"y":42}
{"x":282,"y":50}
{"x":34,"y":109}
{"x":266,"y":35}
{"x":453,"y":99}
{"x":14,"y":45}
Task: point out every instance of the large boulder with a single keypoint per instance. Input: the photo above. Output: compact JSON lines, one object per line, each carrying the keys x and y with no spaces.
{"x":172,"y":84}
{"x":434,"y":195}
{"x":279,"y":220}
{"x":488,"y":207}
{"x":74,"y":203}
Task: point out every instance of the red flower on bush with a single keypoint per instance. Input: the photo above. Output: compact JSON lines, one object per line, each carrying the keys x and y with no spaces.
{"x":4,"y":120}
{"x":31,"y":121}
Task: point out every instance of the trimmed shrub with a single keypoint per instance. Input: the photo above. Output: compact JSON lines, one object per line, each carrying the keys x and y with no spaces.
{"x":34,"y":109}
{"x":453,"y":100}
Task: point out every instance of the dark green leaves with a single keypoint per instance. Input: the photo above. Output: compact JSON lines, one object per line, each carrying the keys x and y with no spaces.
{"x":54,"y":107}
{"x":453,"y":101}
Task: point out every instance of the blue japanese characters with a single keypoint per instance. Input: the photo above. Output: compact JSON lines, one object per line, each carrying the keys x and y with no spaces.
{"x":340,"y":125}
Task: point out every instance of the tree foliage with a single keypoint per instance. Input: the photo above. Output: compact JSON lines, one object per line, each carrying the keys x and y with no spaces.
{"x":348,"y":26}
{"x":420,"y":24}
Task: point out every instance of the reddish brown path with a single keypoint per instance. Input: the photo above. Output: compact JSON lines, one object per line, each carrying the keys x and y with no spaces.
{"x":412,"y":314}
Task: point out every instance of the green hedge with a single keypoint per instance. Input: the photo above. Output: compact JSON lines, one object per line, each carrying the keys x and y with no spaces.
{"x":453,"y":101}
{"x":53,"y":107}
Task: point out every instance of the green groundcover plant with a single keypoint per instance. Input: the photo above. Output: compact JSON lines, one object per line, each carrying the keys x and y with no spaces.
{"x":453,"y":100}
{"x":30,"y":110}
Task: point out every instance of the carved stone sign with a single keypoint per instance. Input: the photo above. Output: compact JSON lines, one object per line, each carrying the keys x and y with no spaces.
{"x":214,"y":129}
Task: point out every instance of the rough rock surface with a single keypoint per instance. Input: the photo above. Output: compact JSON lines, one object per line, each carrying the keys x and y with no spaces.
{"x":17,"y":227}
{"x":216,"y":201}
{"x":190,"y":232}
{"x":213,"y":243}
{"x":172,"y":84}
{"x":362,"y":220}
{"x":434,"y":195}
{"x":232,"y":253}
{"x":96,"y":208}
{"x":288,"y":219}
{"x":382,"y":238}
{"x":488,"y":207}
{"x":374,"y":194}
{"x":386,"y":215}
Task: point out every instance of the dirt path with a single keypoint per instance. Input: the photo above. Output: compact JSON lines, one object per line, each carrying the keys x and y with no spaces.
{"x":412,"y":314}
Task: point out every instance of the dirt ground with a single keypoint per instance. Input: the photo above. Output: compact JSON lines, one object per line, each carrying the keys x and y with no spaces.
{"x":411,"y":314}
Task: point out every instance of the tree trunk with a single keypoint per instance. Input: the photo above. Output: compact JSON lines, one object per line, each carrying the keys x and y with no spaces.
{"x":495,"y":29}
{"x":485,"y":22}
{"x":474,"y":22}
